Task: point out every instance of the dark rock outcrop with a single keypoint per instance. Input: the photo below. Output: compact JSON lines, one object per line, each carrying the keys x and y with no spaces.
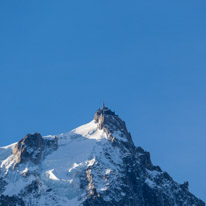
{"x":32,"y":148}
{"x":14,"y":200}
{"x":144,"y":158}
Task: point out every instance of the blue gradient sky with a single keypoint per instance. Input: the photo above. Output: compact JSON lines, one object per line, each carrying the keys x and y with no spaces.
{"x":146,"y":59}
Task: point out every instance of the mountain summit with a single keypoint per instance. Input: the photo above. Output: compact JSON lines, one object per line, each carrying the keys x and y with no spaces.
{"x":94,"y":164}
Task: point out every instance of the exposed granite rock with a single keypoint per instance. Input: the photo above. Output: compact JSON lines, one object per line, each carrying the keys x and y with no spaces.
{"x":106,"y":118}
{"x":185,"y":186}
{"x":29,"y":148}
{"x":111,"y":123}
{"x":32,"y":148}
{"x":144,"y":158}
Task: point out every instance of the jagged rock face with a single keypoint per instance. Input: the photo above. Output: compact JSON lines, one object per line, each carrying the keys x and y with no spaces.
{"x":31,"y":148}
{"x":144,"y":158}
{"x":108,"y":119}
{"x":112,"y":124}
{"x":95,"y":164}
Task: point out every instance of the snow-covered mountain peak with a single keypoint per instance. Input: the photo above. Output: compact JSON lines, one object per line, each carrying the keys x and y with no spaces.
{"x":94,"y":164}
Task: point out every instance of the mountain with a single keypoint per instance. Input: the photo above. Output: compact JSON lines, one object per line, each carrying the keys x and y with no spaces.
{"x":94,"y":164}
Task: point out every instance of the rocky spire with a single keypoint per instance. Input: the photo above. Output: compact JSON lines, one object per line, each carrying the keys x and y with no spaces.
{"x":112,"y":125}
{"x":105,"y":116}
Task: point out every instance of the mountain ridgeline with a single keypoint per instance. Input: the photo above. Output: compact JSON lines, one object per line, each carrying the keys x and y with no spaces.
{"x":94,"y":164}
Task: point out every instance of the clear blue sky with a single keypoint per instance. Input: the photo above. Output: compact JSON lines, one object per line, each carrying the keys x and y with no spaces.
{"x":146,"y":59}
